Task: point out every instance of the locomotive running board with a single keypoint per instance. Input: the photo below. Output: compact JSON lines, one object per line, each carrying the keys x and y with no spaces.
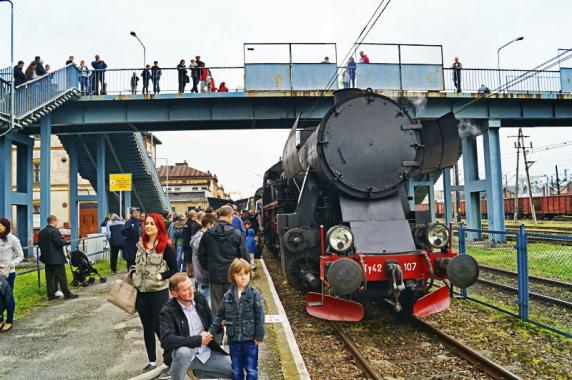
{"x":432,"y":303}
{"x":333,"y":308}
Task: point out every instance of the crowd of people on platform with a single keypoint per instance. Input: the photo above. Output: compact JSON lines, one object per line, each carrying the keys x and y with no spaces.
{"x":192,"y":274}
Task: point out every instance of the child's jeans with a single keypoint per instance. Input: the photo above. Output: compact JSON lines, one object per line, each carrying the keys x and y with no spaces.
{"x":244,"y":356}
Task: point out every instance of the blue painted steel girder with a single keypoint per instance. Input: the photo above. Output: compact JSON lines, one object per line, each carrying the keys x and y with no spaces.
{"x":279,"y":109}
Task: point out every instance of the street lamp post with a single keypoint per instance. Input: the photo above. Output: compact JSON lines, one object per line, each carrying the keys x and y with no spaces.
{"x":144,"y":53}
{"x":520,"y":38}
{"x":12,"y":89}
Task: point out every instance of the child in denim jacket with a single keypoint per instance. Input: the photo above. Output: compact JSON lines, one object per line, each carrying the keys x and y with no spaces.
{"x":242,"y":312}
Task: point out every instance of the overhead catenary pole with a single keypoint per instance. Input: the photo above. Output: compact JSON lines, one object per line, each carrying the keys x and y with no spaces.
{"x":526,"y":167}
{"x":557,"y":181}
{"x":517,"y":146}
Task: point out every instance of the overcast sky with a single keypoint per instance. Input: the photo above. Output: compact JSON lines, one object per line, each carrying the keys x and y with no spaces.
{"x":176,"y":29}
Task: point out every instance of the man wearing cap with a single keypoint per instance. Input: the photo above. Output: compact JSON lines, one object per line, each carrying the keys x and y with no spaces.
{"x":132,"y":233}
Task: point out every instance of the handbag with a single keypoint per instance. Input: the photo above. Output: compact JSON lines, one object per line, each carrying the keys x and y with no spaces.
{"x":187,"y":79}
{"x":123,"y":294}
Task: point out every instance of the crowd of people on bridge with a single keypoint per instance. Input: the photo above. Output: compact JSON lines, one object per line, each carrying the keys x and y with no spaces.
{"x":196,"y":75}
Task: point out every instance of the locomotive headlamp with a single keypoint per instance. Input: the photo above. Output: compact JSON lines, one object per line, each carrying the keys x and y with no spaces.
{"x":438,"y":235}
{"x":340,"y":238}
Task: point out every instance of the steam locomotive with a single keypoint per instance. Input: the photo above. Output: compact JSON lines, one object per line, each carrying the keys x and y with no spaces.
{"x":335,"y":210}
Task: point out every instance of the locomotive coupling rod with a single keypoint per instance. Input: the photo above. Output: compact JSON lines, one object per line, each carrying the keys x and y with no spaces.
{"x":495,"y":370}
{"x":363,"y":362}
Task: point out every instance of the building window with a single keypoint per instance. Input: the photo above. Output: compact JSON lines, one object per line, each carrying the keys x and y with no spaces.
{"x":36,"y":173}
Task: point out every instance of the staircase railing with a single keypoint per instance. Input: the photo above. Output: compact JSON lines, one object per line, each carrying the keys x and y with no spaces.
{"x":40,"y":92}
{"x":152,"y":170}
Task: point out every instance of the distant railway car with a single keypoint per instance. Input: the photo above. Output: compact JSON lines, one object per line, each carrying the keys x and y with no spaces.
{"x":545,"y":207}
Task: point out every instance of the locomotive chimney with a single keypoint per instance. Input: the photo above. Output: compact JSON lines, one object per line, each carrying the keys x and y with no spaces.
{"x":341,"y":96}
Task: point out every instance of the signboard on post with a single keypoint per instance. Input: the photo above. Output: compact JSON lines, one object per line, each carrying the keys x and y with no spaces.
{"x":120,"y":182}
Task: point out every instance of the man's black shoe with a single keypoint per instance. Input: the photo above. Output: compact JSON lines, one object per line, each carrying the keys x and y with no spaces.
{"x":149,"y":367}
{"x":71,"y":296}
{"x":165,"y":374}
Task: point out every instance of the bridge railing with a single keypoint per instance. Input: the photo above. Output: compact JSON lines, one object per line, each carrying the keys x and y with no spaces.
{"x":316,"y":76}
{"x":518,"y":81}
{"x":120,"y":81}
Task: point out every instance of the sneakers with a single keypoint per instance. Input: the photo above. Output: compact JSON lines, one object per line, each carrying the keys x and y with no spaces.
{"x":149,"y":367}
{"x":71,"y":296}
{"x":58,"y":294}
{"x":165,"y":374}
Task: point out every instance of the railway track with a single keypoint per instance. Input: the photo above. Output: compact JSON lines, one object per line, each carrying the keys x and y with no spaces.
{"x":543,"y":280}
{"x":531,"y":295}
{"x":484,"y":364}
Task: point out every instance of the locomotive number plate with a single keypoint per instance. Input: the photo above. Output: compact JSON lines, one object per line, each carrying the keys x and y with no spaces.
{"x":379,"y":268}
{"x":409,"y":267}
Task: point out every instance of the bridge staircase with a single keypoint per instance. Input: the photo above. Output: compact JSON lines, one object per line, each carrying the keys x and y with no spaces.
{"x":125,"y":153}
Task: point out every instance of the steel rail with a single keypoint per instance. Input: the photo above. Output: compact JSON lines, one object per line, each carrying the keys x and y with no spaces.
{"x":531,"y":295}
{"x":362,"y":361}
{"x":548,"y":281}
{"x":491,"y":368}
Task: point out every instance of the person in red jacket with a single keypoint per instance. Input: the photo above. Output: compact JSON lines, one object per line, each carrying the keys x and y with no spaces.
{"x":363,"y":57}
{"x":222,"y":87}
{"x":212,"y":85}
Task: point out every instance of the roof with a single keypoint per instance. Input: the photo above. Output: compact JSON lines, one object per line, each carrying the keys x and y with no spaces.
{"x":181,"y":169}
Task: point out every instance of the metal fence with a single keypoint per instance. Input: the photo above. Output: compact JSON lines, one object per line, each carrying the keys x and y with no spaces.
{"x":527,"y":275}
{"x":81,"y":244}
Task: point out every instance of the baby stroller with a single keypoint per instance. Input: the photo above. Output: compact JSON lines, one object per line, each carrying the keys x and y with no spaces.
{"x":82,"y":269}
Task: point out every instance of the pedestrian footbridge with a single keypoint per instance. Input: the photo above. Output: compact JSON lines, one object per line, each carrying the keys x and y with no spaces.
{"x":102,"y":133}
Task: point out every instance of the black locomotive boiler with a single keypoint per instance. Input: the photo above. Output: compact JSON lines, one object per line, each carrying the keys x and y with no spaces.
{"x":336,"y":212}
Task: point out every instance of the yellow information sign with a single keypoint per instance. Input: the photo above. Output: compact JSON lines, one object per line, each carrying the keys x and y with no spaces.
{"x":120,"y":182}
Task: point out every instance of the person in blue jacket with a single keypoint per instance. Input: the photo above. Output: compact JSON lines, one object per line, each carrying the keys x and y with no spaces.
{"x":352,"y":71}
{"x":250,"y":244}
{"x":132,"y":233}
{"x":237,"y":221}
{"x":116,"y":240}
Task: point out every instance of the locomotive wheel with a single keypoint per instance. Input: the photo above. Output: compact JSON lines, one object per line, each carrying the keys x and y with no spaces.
{"x":294,"y":271}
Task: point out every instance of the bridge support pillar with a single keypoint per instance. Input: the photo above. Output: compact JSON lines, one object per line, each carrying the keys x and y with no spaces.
{"x":102,"y":207}
{"x":473,"y":186}
{"x":427,"y":181}
{"x":45,"y":165}
{"x":493,"y":168}
{"x":74,"y":199}
{"x":22,"y":197}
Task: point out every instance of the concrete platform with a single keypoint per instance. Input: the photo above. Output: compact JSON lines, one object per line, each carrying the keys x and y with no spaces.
{"x":90,"y":338}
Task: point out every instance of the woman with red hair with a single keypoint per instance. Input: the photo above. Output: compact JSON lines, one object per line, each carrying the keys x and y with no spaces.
{"x":155,"y":263}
